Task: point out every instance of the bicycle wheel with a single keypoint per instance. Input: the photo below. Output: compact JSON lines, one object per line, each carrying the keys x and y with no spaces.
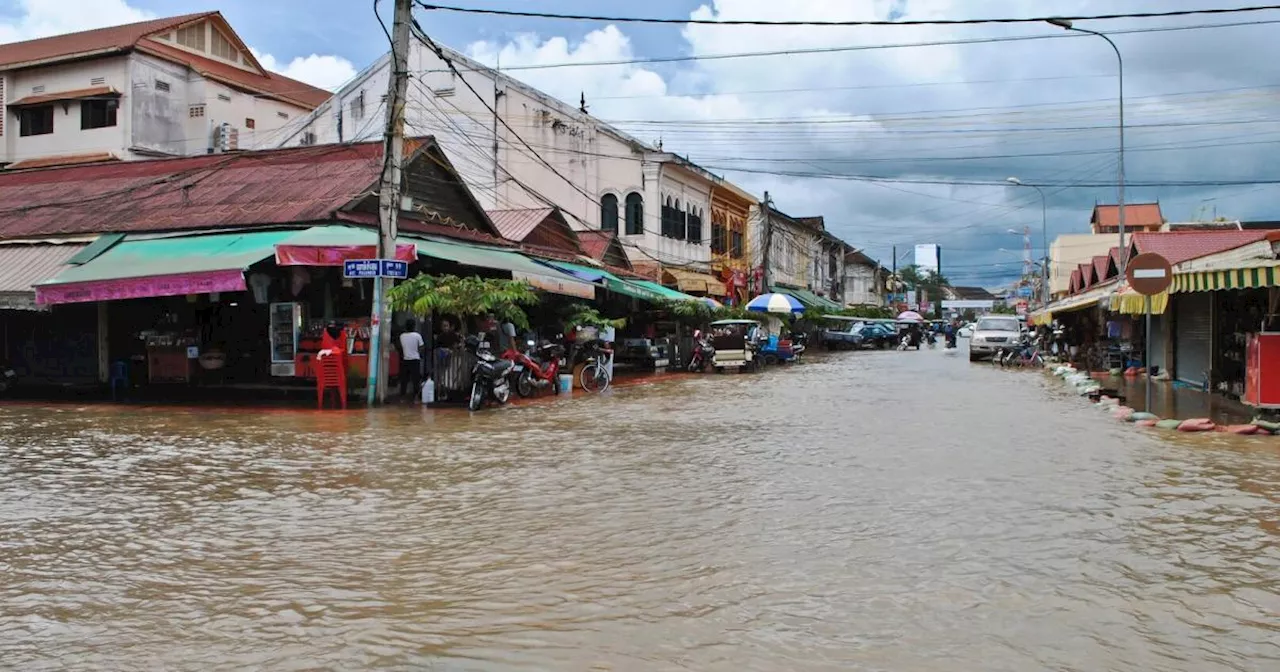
{"x":594,"y":378}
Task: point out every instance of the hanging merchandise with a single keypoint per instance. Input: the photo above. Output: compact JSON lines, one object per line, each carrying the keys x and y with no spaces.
{"x":259,"y":283}
{"x":300,"y":279}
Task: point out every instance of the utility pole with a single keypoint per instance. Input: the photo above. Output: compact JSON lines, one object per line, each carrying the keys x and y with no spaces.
{"x":768,"y":243}
{"x":389,"y":202}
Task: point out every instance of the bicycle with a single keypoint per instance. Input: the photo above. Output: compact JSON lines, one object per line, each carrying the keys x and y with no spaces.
{"x":595,"y":376}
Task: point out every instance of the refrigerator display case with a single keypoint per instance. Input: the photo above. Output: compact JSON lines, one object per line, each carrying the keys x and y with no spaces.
{"x":286,"y":328}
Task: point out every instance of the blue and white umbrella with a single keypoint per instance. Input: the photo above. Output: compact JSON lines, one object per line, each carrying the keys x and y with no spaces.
{"x":775,"y":303}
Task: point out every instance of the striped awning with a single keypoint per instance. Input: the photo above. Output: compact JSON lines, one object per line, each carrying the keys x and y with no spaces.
{"x":1129,"y":302}
{"x":1235,"y":278}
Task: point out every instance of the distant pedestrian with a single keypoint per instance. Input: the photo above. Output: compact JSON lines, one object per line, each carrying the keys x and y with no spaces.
{"x":411,"y":345}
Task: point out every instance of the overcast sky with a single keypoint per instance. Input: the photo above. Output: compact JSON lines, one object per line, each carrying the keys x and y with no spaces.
{"x":810,"y":127}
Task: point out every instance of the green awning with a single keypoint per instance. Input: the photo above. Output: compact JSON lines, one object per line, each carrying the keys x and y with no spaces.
{"x":613,"y":283}
{"x":541,"y":276}
{"x":140,"y":266}
{"x":808,"y":298}
{"x":665,"y":291}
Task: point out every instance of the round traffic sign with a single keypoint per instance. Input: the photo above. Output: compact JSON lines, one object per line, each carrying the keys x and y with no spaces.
{"x":1149,"y":273}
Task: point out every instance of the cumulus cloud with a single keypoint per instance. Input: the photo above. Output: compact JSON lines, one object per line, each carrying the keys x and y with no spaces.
{"x":42,"y":18}
{"x":1043,"y":110}
{"x":324,"y":71}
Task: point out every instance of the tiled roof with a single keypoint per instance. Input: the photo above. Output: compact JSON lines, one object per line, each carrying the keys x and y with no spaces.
{"x":595,"y":243}
{"x":296,"y":185}
{"x":1100,"y":264}
{"x":1135,"y":214}
{"x":1179,"y":246}
{"x":516,"y":224}
{"x":75,"y":94}
{"x":63,"y":160}
{"x":278,"y":86}
{"x":101,"y":40}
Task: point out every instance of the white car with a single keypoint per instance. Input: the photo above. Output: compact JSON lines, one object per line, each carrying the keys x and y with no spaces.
{"x":992,"y":333}
{"x":965,"y":331}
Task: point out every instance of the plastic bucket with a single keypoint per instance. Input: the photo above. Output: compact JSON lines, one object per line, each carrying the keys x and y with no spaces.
{"x":566,"y":383}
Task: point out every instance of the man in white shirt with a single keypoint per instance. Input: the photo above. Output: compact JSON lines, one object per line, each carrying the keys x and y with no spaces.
{"x":411,"y":345}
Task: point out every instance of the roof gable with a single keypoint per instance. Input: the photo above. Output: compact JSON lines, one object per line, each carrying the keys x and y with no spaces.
{"x":605,"y":248}
{"x":544,"y":227}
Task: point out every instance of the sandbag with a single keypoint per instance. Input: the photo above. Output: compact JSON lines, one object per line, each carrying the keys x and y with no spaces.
{"x":1267,"y":425}
{"x":1141,"y":416}
{"x":1122,"y":413}
{"x":1168,"y":424}
{"x":1196,"y":425}
{"x":1238,"y":429}
{"x":1146,"y":423}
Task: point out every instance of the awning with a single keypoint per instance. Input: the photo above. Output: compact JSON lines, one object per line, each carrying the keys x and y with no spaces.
{"x":74,"y":94}
{"x":539,"y":275}
{"x":1262,"y":273}
{"x":808,"y":298}
{"x":143,"y":267}
{"x":611,"y":282}
{"x":665,"y":291}
{"x":1129,"y":302}
{"x":334,"y":244}
{"x":692,"y":281}
{"x":1080,"y":301}
{"x":22,"y":265}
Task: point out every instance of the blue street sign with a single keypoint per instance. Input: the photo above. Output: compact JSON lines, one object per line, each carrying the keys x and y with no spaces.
{"x":360,"y":268}
{"x":1024,"y":290}
{"x":392,"y":268}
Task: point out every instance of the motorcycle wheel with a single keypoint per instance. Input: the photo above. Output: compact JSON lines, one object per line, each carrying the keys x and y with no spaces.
{"x":524,"y":384}
{"x":477,"y":397}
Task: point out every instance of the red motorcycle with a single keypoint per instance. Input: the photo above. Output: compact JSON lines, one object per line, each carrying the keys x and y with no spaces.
{"x":533,"y":372}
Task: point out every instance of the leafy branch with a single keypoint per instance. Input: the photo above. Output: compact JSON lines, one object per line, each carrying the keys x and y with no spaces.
{"x":465,"y":297}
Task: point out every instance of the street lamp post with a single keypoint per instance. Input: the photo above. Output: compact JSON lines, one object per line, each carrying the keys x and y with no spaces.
{"x":1044,"y":235}
{"x":1067,"y":25}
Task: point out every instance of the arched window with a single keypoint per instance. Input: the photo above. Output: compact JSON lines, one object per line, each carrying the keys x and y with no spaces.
{"x":694,"y":227}
{"x":609,"y":213}
{"x":635,"y":214}
{"x":677,"y":221}
{"x":668,"y":218}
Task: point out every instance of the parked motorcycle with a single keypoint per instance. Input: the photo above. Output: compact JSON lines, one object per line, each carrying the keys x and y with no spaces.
{"x":703,"y":353}
{"x":489,"y":375}
{"x":535,"y":370}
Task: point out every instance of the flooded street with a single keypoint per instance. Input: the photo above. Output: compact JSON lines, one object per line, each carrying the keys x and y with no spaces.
{"x":879,"y":511}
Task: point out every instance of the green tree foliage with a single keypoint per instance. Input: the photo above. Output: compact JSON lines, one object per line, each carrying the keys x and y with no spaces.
{"x":582,"y":315}
{"x":465,"y":297}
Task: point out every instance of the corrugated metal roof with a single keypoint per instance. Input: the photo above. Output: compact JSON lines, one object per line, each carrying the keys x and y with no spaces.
{"x":595,"y":243}
{"x":516,"y":224}
{"x":63,"y":160}
{"x":22,"y":265}
{"x":1180,"y":246}
{"x":295,"y":185}
{"x":148,"y":256}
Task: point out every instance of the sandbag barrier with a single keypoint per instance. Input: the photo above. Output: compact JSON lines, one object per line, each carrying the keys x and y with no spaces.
{"x":1089,"y":387}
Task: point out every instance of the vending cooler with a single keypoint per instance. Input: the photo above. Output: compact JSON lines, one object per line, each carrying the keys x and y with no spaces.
{"x":287,"y":320}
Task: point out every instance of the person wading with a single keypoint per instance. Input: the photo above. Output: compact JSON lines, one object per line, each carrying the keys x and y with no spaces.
{"x":411,"y":345}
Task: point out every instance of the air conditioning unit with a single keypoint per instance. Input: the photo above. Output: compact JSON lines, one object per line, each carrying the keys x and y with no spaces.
{"x":226,"y":138}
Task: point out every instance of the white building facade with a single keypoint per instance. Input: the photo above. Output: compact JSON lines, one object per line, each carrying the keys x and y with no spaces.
{"x":170,"y":87}
{"x":517,"y":147}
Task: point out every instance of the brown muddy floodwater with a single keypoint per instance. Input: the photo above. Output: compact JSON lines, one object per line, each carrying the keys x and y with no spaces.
{"x":869,"y":511}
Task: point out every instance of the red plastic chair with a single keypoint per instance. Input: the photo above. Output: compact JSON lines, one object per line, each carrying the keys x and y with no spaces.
{"x":331,"y":374}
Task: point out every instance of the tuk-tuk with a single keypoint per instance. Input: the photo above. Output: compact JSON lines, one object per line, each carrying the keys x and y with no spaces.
{"x":735,"y":344}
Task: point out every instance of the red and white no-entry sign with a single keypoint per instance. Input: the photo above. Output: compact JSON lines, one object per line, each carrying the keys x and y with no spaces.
{"x":1149,"y":274}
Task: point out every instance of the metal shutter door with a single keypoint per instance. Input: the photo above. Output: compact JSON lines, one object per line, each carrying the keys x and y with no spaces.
{"x":1157,"y":341}
{"x":1192,"y":338}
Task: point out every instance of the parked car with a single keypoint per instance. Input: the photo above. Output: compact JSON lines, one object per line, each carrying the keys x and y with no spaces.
{"x":877,"y":336}
{"x":843,"y":333}
{"x":992,"y":334}
{"x":966,"y":330}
